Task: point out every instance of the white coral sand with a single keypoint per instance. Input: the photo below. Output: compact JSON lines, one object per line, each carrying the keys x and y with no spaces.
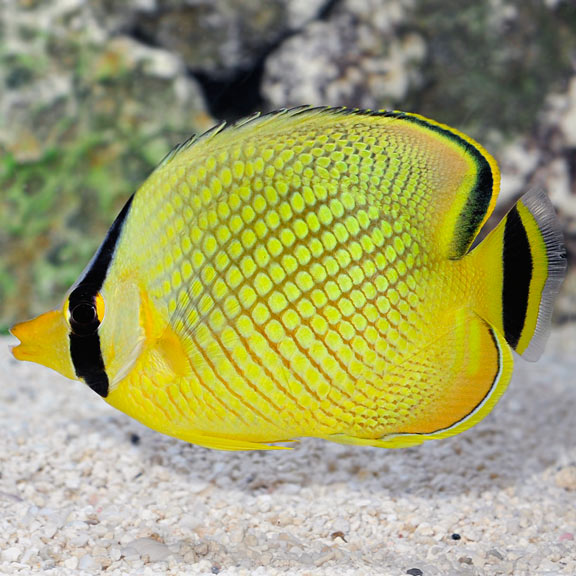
{"x":83,"y":489}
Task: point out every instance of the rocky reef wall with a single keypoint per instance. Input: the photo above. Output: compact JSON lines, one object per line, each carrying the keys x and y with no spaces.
{"x":94,"y":93}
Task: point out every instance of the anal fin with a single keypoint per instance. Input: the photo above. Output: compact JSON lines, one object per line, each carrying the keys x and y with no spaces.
{"x":225,"y":443}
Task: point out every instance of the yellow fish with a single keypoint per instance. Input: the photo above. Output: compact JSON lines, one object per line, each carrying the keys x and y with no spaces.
{"x":310,"y":272}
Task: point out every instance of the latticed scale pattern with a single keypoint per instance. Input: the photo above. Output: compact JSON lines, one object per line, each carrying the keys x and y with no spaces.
{"x":310,"y":272}
{"x":291,"y":268}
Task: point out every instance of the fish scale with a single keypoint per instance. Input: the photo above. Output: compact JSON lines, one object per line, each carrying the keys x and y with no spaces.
{"x":309,"y":273}
{"x":290,"y":321}
{"x":265,"y":301}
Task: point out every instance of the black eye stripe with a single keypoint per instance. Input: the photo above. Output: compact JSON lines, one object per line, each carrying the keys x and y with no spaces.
{"x":82,"y":313}
{"x":98,"y":268}
{"x":88,"y":362}
{"x":85,"y":347}
{"x":84,"y":339}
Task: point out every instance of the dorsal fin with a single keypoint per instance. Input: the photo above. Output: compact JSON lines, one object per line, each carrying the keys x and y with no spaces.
{"x":471,"y":178}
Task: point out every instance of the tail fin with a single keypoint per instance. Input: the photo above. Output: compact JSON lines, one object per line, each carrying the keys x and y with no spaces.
{"x":523,"y":262}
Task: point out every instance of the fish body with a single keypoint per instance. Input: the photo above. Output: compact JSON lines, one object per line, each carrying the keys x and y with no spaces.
{"x":310,"y":273}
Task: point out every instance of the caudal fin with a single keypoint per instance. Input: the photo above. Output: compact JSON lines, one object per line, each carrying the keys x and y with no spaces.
{"x":523,"y":262}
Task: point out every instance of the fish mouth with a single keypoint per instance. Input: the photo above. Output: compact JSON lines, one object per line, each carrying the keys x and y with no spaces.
{"x":19,"y":351}
{"x":44,"y":340}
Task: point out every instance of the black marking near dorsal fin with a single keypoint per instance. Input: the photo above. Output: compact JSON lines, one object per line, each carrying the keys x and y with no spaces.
{"x":481,"y":190}
{"x":85,"y":349}
{"x":96,"y":271}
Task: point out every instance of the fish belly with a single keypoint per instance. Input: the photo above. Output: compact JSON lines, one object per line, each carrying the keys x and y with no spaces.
{"x":384,"y":369}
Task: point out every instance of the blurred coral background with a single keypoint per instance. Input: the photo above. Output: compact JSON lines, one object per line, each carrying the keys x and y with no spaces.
{"x":94,"y":93}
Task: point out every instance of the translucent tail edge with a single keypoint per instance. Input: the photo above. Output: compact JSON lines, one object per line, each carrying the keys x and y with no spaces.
{"x":523,"y":264}
{"x":548,"y":255}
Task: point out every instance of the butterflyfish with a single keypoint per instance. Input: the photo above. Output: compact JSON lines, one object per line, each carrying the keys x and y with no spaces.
{"x":310,"y":272}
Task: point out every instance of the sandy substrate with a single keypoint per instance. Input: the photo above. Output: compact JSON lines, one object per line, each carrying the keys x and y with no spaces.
{"x":84,"y":489}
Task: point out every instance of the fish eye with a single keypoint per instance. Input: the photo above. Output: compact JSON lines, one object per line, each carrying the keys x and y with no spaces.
{"x":84,"y":319}
{"x":84,"y":314}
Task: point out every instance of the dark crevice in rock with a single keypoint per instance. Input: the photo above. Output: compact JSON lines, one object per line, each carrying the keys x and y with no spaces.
{"x":235,"y":92}
{"x":227,"y":96}
{"x":239,"y":93}
{"x":328,"y":9}
{"x":236,"y":95}
{"x":142,"y":35}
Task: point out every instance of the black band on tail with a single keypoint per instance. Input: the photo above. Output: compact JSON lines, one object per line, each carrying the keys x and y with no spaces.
{"x":517,"y":268}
